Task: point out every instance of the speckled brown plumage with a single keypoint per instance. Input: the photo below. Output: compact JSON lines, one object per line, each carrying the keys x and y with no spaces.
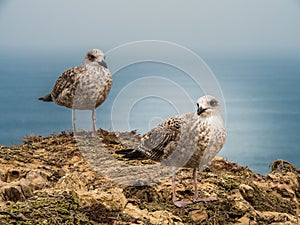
{"x":196,"y":138}
{"x":83,"y":87}
{"x":189,"y":140}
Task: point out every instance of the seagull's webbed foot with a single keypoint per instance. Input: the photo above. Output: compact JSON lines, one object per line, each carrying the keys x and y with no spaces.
{"x":94,"y":134}
{"x":197,"y":199}
{"x":181,"y":204}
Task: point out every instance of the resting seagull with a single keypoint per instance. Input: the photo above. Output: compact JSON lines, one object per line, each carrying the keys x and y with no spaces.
{"x":83,"y":87}
{"x":190,"y":140}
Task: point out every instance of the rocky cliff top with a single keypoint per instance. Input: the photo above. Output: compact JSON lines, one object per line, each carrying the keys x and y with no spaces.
{"x":56,"y":180}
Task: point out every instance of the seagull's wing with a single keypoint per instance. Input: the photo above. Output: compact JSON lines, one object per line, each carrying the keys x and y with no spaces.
{"x":65,"y":86}
{"x":155,"y":143}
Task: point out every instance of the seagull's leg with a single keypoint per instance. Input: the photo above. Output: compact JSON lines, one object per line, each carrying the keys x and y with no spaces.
{"x":94,"y":122}
{"x":74,"y":121}
{"x":196,"y":197}
{"x":195,"y":183}
{"x":174,"y":199}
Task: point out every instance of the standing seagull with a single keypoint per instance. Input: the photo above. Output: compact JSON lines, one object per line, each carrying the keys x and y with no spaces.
{"x":83,"y":87}
{"x":189,"y":140}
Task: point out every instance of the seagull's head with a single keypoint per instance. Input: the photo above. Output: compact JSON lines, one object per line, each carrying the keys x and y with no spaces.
{"x":208,"y":105}
{"x":95,"y":57}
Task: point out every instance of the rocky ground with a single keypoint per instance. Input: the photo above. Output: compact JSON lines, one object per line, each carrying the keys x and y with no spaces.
{"x":65,"y":180}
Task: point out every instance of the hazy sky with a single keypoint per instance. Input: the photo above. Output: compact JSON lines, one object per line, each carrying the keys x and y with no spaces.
{"x":210,"y":25}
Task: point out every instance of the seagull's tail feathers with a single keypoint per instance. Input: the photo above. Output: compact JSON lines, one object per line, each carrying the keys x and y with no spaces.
{"x":131,"y":154}
{"x":46,"y":98}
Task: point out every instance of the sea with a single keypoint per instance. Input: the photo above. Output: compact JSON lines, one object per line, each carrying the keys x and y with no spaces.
{"x":260,"y":97}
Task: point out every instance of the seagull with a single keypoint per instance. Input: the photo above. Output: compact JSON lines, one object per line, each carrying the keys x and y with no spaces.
{"x":83,"y":87}
{"x":189,"y":140}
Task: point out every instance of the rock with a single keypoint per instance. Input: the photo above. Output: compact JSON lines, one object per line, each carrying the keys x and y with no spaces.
{"x":35,"y":180}
{"x":19,"y":190}
{"x":246,"y":188}
{"x":277,"y":218}
{"x":247,"y":191}
{"x":112,"y":199}
{"x":73,"y":181}
{"x":198,"y":216}
{"x":135,"y":212}
{"x":162,"y":217}
{"x":13,"y":193}
{"x":288,"y":178}
{"x":13,"y":175}
{"x":48,"y":180}
{"x":240,"y":202}
{"x":285,"y":190}
{"x":2,"y":175}
{"x":247,"y":219}
{"x":285,"y":184}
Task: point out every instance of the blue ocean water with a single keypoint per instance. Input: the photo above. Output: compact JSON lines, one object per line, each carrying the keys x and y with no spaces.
{"x":262,"y":99}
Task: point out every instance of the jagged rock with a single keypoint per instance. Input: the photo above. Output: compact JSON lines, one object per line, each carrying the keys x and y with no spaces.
{"x":73,"y":181}
{"x":247,"y":219}
{"x":276,"y":218}
{"x":286,"y":184}
{"x":135,"y":211}
{"x":162,"y":217}
{"x":198,"y":216}
{"x":46,"y":180}
{"x":2,"y":175}
{"x":247,"y":190}
{"x":240,"y":203}
{"x":12,"y":192}
{"x":19,"y":190}
{"x":12,"y":175}
{"x":112,"y":199}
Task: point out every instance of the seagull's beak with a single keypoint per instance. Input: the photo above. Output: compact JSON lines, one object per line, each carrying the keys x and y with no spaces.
{"x":103,"y":63}
{"x":200,"y":110}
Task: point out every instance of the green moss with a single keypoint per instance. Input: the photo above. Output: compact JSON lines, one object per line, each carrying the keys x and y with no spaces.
{"x":227,"y":182}
{"x":48,"y":209}
{"x":263,"y":201}
{"x":223,"y":213}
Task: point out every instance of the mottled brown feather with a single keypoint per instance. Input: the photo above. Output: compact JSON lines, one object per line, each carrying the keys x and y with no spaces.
{"x":187,"y":140}
{"x":155,"y":143}
{"x":64,"y":89}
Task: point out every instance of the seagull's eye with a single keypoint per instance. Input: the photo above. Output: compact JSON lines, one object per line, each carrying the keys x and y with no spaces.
{"x":213,"y":103}
{"x":198,"y":105}
{"x":91,"y":57}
